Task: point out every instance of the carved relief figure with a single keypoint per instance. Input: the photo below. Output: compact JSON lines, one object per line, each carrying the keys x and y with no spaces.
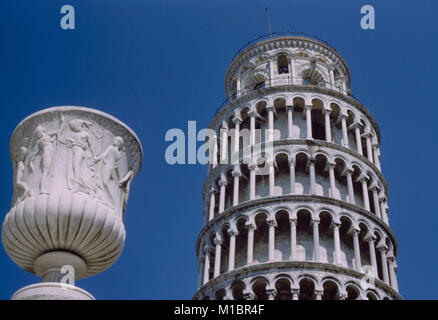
{"x":125,"y":184}
{"x":110,"y":175}
{"x":19,"y":182}
{"x":80,"y":171}
{"x":45,"y":149}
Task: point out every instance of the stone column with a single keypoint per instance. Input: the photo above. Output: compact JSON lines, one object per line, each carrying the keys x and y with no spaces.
{"x":382,"y":200}
{"x":207,"y":265}
{"x":252,"y":181}
{"x":383,"y":258}
{"x":236,"y":178}
{"x":331,"y":168}
{"x":312,"y":175}
{"x":295,"y":294}
{"x":271,"y":110}
{"x":217,"y":256}
{"x":250,"y":251}
{"x":366,"y":200}
{"x":332,"y":79}
{"x":293,"y":239}
{"x":337,"y":243}
{"x":248,"y":295}
{"x":215,"y":151}
{"x":272,"y":224}
{"x":252,"y":118}
{"x":344,"y":130}
{"x":373,"y":256}
{"x":271,"y":177}
{"x":316,"y":240}
{"x":61,"y":200}
{"x":358,"y":139}
{"x":309,"y":121}
{"x":328,"y":132}
{"x":271,"y":71}
{"x":318,"y":294}
{"x":290,"y":120}
{"x":238,"y":93}
{"x":376,"y":201}
{"x":237,"y":121}
{"x":292,"y":70}
{"x":232,"y":253}
{"x":357,"y":249}
{"x":224,"y":143}
{"x":272,"y":293}
{"x":212,"y":203}
{"x":348,"y":172}
{"x":292,"y":175}
{"x":367,"y":136}
{"x":222,"y":183}
{"x":376,"y":154}
{"x":200,"y":272}
{"x":392,"y":275}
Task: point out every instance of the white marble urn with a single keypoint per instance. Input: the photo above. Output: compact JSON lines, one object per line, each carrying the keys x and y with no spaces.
{"x":73,"y":167}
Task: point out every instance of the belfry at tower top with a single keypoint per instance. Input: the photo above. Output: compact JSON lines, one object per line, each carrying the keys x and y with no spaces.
{"x":248,"y":66}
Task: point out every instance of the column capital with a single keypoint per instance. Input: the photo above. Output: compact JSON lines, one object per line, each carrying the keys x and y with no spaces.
{"x":253,"y":113}
{"x":212,"y":189}
{"x":308,"y":107}
{"x":354,"y":231}
{"x":224,"y":126}
{"x":271,"y":292}
{"x":330,"y":165}
{"x":343,"y":115}
{"x":382,"y":247}
{"x":363,"y":177}
{"x":250,"y":226}
{"x":293,"y":220}
{"x":326,"y":111}
{"x":354,"y":125}
{"x":248,"y":295}
{"x":236,"y":171}
{"x":218,"y":241}
{"x":290,"y":107}
{"x":346,"y":171}
{"x":370,"y":238}
{"x":373,"y":187}
{"x":237,"y":119}
{"x":207,"y":249}
{"x":319,"y":293}
{"x":271,"y":222}
{"x":343,"y":296}
{"x":222,"y":181}
{"x":292,"y":162}
{"x":366,"y":134}
{"x":252,"y":165}
{"x":232,"y":232}
{"x":315,"y":221}
{"x":270,"y":107}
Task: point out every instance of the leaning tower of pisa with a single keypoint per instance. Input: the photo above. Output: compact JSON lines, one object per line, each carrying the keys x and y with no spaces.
{"x":308,"y":217}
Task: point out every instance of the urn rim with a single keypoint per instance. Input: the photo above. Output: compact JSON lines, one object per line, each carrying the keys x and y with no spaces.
{"x":83,"y":109}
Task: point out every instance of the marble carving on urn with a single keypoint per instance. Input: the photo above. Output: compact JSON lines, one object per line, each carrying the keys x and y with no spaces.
{"x":73,"y":168}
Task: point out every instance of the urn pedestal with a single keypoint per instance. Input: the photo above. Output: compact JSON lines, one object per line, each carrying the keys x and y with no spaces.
{"x":73,"y":167}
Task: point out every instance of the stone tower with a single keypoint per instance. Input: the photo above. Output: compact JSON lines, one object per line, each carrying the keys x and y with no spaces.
{"x":308,"y":217}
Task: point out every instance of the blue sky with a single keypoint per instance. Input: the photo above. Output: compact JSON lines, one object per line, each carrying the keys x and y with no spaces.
{"x":157,"y":64}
